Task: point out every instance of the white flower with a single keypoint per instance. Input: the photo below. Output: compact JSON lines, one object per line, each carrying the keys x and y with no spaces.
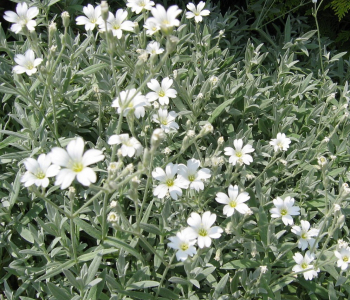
{"x":193,"y":177}
{"x":26,"y":63}
{"x":153,"y":48}
{"x":198,"y":12}
{"x":214,"y":80}
{"x":167,"y":151}
{"x":75,"y":163}
{"x":38,"y":171}
{"x":151,"y":25}
{"x":118,"y":24}
{"x":321,"y":161}
{"x":303,"y":265}
{"x":285,"y":209}
{"x":166,"y":20}
{"x":157,"y":135}
{"x":305,"y":235}
{"x":130,"y":146}
{"x":342,"y":244}
{"x":166,"y":120}
{"x":113,"y":204}
{"x":201,"y":227}
{"x":234,"y":201}
{"x":263,"y":269}
{"x":240,"y":153}
{"x":22,"y":18}
{"x":112,"y":217}
{"x":183,"y":242}
{"x":93,"y":17}
{"x":168,"y":183}
{"x":136,"y":104}
{"x":161,"y":92}
{"x":343,"y":256}
{"x":281,"y":142}
{"x":138,"y":5}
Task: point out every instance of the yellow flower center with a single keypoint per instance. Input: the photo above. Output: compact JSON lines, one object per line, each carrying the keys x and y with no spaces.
{"x":280,"y":145}
{"x":345,"y":259}
{"x":304,"y":265}
{"x":233,"y":203}
{"x":169,"y":182}
{"x":304,"y":236}
{"x":191,"y":178}
{"x":40,"y":175}
{"x":196,"y":13}
{"x":116,"y":26}
{"x":142,"y":4}
{"x":161,"y":93}
{"x":164,"y":122}
{"x":202,"y":232}
{"x":184,"y":247}
{"x":29,"y":66}
{"x":284,"y":212}
{"x":77,"y":167}
{"x":239,"y":154}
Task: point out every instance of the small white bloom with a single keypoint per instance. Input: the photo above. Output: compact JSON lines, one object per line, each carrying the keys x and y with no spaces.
{"x":39,"y":171}
{"x":281,"y":142}
{"x":346,"y":188}
{"x":167,"y":151}
{"x":234,"y":201}
{"x":322,"y":161}
{"x":333,"y":157}
{"x":285,"y":209}
{"x":343,"y":256}
{"x":191,"y":133}
{"x":166,"y":120}
{"x":337,"y":207}
{"x":326,"y":139}
{"x":165,"y":19}
{"x":263,"y":269}
{"x":152,"y":26}
{"x":183,"y":242}
{"x":250,"y":176}
{"x":305,"y":235}
{"x":193,"y":177}
{"x":112,"y":217}
{"x":157,"y":135}
{"x":214,"y":80}
{"x":114,"y":166}
{"x":200,"y":96}
{"x":197,"y":12}
{"x":153,"y":48}
{"x":221,"y":140}
{"x":168,"y":183}
{"x":113,"y":204}
{"x":93,"y":17}
{"x":217,"y":161}
{"x":161,"y":92}
{"x":136,"y":104}
{"x":202,"y":228}
{"x":240,"y":153}
{"x":138,"y":5}
{"x":130,"y":146}
{"x":342,"y":244}
{"x":221,"y":33}
{"x":22,"y":18}
{"x":75,"y":163}
{"x":26,"y":63}
{"x":207,"y":128}
{"x":118,"y":24}
{"x":303,"y":265}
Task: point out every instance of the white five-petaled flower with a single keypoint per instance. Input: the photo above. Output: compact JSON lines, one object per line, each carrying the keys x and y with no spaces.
{"x":130,"y":146}
{"x":343,"y":255}
{"x":281,"y":142}
{"x":197,"y":12}
{"x":130,"y":101}
{"x":26,"y":63}
{"x":240,"y":153}
{"x":118,"y":24}
{"x":234,"y":201}
{"x":153,"y":48}
{"x":202,"y":228}
{"x":75,"y":163}
{"x":151,"y":25}
{"x":93,"y":17}
{"x":22,"y":18}
{"x":138,"y":5}
{"x":38,"y":171}
{"x":322,"y":161}
{"x":161,"y":92}
{"x":303,"y":265}
{"x":165,"y":19}
{"x":193,"y":177}
{"x":166,"y":120}
{"x":305,"y":235}
{"x":183,"y":242}
{"x":285,"y":209}
{"x":168,"y":183}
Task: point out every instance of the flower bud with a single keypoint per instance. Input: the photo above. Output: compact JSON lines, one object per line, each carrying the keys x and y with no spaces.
{"x":65,"y":18}
{"x":104,"y":10}
{"x":171,"y":43}
{"x":113,"y":204}
{"x":157,"y":136}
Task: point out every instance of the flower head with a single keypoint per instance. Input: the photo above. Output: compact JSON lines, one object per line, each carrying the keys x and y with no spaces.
{"x":303,"y":265}
{"x":168,"y":182}
{"x":285,"y":209}
{"x":130,"y":146}
{"x":75,"y":163}
{"x":183,"y":242}
{"x":202,"y":228}
{"x":305,"y":235}
{"x":152,"y":26}
{"x":161,"y":92}
{"x":39,"y":171}
{"x":93,"y":17}
{"x":193,"y":177}
{"x":166,"y":120}
{"x":153,"y":48}
{"x":130,"y":101}
{"x":281,"y":142}
{"x":240,"y":153}
{"x":343,"y":255}
{"x":26,"y":63}
{"x":23,"y":17}
{"x":138,"y":5}
{"x":197,"y":12}
{"x":321,"y":161}
{"x":112,"y":217}
{"x":165,"y":19}
{"x":234,"y":201}
{"x":118,"y":24}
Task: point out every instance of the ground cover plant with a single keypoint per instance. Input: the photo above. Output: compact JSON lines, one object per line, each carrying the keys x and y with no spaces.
{"x":154,"y":152}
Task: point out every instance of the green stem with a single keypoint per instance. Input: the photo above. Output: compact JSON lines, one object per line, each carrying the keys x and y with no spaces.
{"x":104,"y":216}
{"x":165,"y":272}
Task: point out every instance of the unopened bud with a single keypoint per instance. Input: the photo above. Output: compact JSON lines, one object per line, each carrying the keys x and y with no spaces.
{"x":65,"y":19}
{"x":113,"y":204}
{"x":157,"y":136}
{"x":221,"y":140}
{"x":171,"y":43}
{"x":52,"y":28}
{"x":104,"y":10}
